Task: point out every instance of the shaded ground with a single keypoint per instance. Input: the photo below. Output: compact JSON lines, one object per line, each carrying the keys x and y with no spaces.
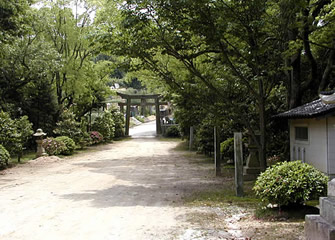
{"x":133,"y":189}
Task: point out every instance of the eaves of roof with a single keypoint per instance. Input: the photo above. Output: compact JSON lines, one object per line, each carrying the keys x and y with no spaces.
{"x":313,"y":109}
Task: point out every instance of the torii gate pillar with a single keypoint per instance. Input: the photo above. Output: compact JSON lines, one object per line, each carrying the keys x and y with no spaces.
{"x":127,"y":117}
{"x":158,"y":119}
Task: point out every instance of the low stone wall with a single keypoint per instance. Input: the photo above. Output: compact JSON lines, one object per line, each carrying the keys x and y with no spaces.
{"x":322,"y":227}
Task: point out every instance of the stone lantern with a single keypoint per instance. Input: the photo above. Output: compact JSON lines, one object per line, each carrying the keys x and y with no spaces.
{"x":252,"y":168}
{"x":39,"y":135}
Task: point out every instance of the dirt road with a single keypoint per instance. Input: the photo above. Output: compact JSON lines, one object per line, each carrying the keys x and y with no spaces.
{"x":131,"y":189}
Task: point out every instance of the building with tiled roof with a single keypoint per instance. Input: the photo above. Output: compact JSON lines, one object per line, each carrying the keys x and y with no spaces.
{"x":312,"y":133}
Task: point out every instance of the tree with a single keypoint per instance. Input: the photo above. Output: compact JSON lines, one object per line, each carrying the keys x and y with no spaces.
{"x":305,"y":30}
{"x":13,"y":18}
{"x":217,"y":42}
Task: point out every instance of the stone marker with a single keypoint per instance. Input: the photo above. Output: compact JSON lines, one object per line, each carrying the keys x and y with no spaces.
{"x":322,"y":227}
{"x":217,"y":160}
{"x":238,"y":156}
{"x":190,"y":146}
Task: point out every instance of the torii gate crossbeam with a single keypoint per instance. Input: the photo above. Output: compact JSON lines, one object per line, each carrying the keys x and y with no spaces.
{"x":129,"y":97}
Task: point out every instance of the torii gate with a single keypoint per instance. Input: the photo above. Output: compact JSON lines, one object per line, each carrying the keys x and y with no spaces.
{"x":143,"y":103}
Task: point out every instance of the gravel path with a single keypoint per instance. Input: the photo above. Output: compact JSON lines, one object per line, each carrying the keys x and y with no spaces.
{"x":131,"y":189}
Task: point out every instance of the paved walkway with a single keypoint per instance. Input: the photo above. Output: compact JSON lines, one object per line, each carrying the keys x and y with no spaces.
{"x":131,"y":189}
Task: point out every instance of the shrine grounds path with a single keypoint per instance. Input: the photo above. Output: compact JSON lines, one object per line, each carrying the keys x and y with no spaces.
{"x":129,"y":190}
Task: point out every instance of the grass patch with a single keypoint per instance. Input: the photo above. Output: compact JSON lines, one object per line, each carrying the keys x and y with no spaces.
{"x":226,"y":195}
{"x":27,"y":156}
{"x":228,"y":166}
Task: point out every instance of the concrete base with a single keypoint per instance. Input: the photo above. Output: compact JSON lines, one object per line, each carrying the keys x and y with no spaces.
{"x":316,"y":228}
{"x":322,"y":227}
{"x":327,"y":210}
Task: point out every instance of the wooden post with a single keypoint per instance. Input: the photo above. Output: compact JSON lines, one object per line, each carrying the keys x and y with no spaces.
{"x":127,"y":117}
{"x":238,"y":164}
{"x":190,"y":146}
{"x":217,"y":159}
{"x":158,"y":119}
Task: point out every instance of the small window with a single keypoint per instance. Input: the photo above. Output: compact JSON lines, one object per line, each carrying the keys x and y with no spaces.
{"x":301,"y":133}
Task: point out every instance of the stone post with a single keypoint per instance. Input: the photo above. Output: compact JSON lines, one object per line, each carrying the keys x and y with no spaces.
{"x":158,"y":117}
{"x":322,"y":227}
{"x":238,"y":156}
{"x":191,"y":138}
{"x":127,"y":117}
{"x":217,"y":159}
{"x":39,"y":135}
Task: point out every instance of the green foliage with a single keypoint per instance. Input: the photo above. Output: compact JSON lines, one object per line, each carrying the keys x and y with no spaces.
{"x":25,"y":131}
{"x":69,"y":145}
{"x":105,"y":125}
{"x":14,"y":134}
{"x":12,"y":17}
{"x":173,"y":131}
{"x":68,"y":126}
{"x":4,"y":155}
{"x":139,"y":118}
{"x":227,"y":148}
{"x":53,"y":146}
{"x":96,"y":137}
{"x":205,"y":137}
{"x":40,"y":104}
{"x":119,"y":123}
{"x":9,"y":136}
{"x":291,"y":183}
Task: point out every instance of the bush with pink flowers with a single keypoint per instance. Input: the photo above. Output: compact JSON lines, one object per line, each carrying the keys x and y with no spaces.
{"x":53,"y":146}
{"x":96,"y":137}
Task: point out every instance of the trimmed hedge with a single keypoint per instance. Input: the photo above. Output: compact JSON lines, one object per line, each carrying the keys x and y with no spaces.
{"x":4,"y":155}
{"x":70,"y":145}
{"x":289,"y":183}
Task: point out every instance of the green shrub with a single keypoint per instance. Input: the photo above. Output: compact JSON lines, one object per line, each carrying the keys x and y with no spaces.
{"x":227,"y":148}
{"x":53,"y":146}
{"x":9,"y":136}
{"x":4,"y":155}
{"x":68,"y":126}
{"x":173,"y":131}
{"x":288,"y":183}
{"x":70,"y":145}
{"x":204,"y":137}
{"x":14,"y":133}
{"x":139,"y":118}
{"x":25,"y":131}
{"x":105,"y":126}
{"x":118,"y":119}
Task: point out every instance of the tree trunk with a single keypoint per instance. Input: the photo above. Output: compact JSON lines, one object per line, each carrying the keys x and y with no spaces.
{"x":294,"y":93}
{"x":262,"y":126}
{"x":328,"y":70}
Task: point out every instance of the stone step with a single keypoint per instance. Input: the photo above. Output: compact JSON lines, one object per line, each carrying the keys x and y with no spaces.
{"x":327,"y":209}
{"x":316,"y":228}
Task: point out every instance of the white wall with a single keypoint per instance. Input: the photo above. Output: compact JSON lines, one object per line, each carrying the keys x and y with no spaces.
{"x":316,"y":146}
{"x":331,"y":145}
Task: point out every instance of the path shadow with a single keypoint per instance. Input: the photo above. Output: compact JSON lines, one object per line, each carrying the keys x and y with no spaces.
{"x":144,"y":182}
